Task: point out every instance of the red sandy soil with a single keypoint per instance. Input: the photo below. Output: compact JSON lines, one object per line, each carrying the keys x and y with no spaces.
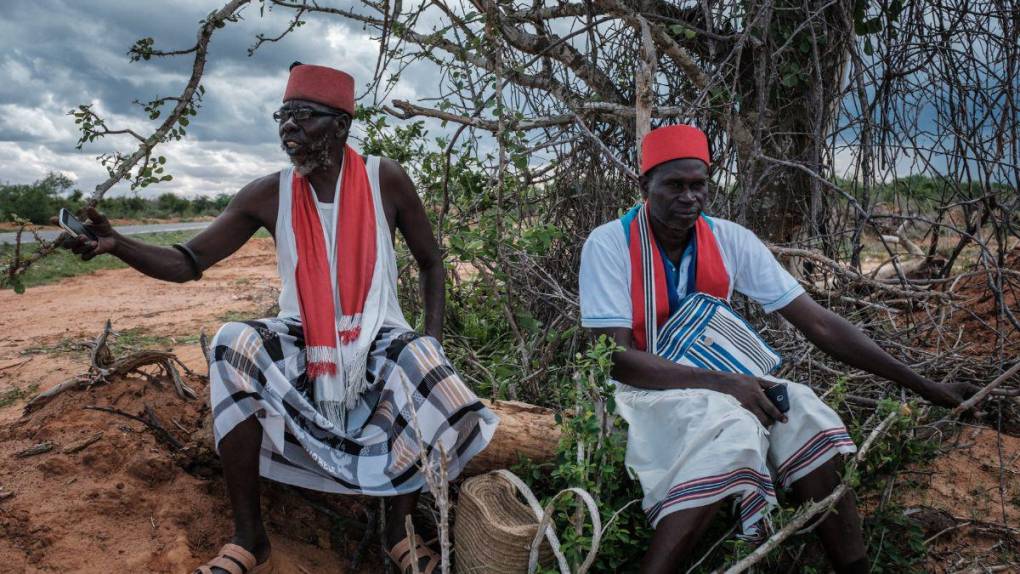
{"x":968,"y":500}
{"x":127,"y":503}
{"x":971,"y":323}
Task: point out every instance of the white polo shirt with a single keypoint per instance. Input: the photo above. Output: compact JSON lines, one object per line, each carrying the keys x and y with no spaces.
{"x":605,"y":273}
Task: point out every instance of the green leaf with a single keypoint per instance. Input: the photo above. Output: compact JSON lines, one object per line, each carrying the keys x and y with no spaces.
{"x":18,"y":284}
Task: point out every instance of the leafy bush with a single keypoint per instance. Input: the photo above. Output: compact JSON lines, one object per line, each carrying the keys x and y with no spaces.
{"x":36,"y":202}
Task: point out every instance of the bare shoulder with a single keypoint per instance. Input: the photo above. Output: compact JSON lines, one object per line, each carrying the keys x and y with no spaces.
{"x":394,"y":181}
{"x":259,"y":199}
{"x":259,"y":191}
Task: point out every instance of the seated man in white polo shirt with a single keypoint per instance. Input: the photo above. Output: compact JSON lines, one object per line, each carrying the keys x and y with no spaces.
{"x":692,"y":376}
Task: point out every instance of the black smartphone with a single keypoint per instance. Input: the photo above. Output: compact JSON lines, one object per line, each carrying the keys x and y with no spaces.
{"x":70,"y":223}
{"x":779,"y":397}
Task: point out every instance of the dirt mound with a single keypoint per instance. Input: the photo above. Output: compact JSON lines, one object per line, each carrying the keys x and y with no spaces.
{"x":967,"y":501}
{"x":110,"y":496}
{"x":975,"y":318}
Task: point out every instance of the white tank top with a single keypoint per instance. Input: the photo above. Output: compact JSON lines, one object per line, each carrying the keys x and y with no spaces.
{"x":286,"y":248}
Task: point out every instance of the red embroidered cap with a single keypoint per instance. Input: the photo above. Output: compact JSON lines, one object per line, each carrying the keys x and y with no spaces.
{"x":673,"y":142}
{"x":321,"y":85}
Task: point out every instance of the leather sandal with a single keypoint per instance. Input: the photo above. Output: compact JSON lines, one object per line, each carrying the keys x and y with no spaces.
{"x":401,"y":555}
{"x":236,"y":560}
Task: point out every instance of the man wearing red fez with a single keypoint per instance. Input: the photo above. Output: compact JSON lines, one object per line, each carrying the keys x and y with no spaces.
{"x":707,"y":421}
{"x":337,"y":393}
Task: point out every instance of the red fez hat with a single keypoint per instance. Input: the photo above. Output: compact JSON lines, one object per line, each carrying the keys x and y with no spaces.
{"x":321,"y":85}
{"x":673,"y":142}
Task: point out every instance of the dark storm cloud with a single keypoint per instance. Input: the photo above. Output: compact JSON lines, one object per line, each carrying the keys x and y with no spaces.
{"x":57,"y":54}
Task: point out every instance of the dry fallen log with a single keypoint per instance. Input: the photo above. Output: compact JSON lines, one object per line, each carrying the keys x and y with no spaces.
{"x":82,"y":445}
{"x":524,"y":431}
{"x":150,"y":420}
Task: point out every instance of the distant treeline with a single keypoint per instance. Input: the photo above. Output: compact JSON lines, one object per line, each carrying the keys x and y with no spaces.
{"x":41,"y":200}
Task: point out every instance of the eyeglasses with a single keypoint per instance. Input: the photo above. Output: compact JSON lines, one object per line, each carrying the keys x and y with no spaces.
{"x":299,"y":114}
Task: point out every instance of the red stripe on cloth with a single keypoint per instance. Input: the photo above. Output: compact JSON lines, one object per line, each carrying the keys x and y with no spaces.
{"x":710,"y":275}
{"x":713,"y":485}
{"x":820,"y":436}
{"x":820,"y":444}
{"x":355,"y":240}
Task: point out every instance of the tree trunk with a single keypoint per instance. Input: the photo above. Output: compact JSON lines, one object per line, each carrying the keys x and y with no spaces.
{"x":794,"y":96}
{"x":524,"y":431}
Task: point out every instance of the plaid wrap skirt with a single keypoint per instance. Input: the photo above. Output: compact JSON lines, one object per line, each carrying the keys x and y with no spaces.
{"x":257,"y":368}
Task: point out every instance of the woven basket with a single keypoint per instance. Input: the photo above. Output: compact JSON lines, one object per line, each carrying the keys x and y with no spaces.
{"x":494,"y":529}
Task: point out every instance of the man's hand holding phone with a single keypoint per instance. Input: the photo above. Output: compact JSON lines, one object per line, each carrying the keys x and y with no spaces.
{"x":87,"y":239}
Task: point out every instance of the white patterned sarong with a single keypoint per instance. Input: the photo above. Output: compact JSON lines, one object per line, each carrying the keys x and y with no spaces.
{"x":695,"y":447}
{"x":258,"y":368}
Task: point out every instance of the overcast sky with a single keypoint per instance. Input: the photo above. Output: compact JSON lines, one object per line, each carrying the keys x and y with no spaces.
{"x":57,"y":54}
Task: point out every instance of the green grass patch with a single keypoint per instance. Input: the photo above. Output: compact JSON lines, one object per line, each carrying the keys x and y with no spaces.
{"x":136,"y":339}
{"x":231,"y":316}
{"x":65,"y":345}
{"x":11,"y":396}
{"x":63,"y":263}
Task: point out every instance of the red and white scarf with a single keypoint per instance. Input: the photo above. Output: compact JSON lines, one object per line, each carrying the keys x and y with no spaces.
{"x":648,"y":289}
{"x":338,"y":337}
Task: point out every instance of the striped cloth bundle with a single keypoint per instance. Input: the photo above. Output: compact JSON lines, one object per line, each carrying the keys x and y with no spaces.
{"x":706,"y":333}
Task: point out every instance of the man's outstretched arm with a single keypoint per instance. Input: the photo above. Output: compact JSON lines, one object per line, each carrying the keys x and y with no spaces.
{"x":224,"y":236}
{"x":839,"y":339}
{"x":413,"y":223}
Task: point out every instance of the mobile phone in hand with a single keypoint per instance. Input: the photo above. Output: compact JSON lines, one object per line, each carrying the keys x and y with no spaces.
{"x":779,"y":397}
{"x":70,"y":223}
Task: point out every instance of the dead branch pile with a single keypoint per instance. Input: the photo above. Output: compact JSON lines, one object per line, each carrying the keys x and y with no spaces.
{"x":104,"y":367}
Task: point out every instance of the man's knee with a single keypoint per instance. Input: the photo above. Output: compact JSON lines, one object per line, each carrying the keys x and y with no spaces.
{"x":230,"y":334}
{"x":412,"y":344}
{"x":740,"y":418}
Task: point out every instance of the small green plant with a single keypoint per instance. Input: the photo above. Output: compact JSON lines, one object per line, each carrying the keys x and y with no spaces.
{"x":591,"y":456}
{"x":136,"y":339}
{"x":232,"y":316}
{"x":11,"y":396}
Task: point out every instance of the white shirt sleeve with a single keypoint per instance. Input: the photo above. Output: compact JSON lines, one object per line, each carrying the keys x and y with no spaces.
{"x":757,"y":274}
{"x":604,"y":280}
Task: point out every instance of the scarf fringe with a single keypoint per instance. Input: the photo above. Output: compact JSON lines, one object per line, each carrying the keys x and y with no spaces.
{"x":321,"y":361}
{"x":357,"y":382}
{"x":334,"y":411}
{"x":350,"y":335}
{"x":349,"y":328}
